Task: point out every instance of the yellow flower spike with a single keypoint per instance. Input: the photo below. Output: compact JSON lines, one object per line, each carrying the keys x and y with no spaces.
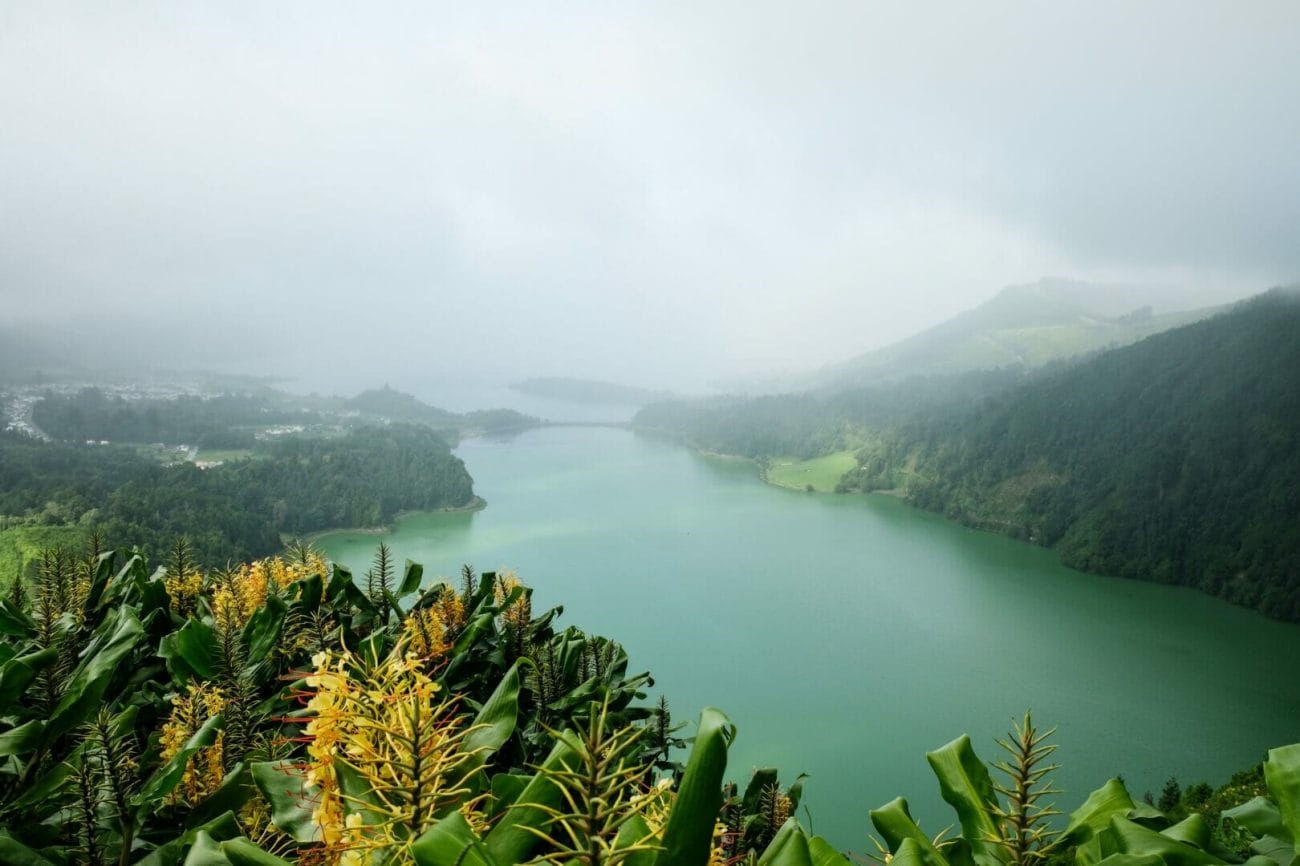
{"x":387,"y":723}
{"x":203,"y":772}
{"x":183,"y":590}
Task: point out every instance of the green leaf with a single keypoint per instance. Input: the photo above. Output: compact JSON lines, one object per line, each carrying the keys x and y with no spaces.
{"x":1132,"y":860}
{"x":1193,"y":830}
{"x":506,"y":788}
{"x":965,"y":785}
{"x":134,"y":584}
{"x":1259,"y":816}
{"x":761,"y":779}
{"x":14,"y":622}
{"x":15,"y":853}
{"x":21,"y":739}
{"x":789,"y":847}
{"x":795,"y":792}
{"x":115,"y":639}
{"x":358,"y":793}
{"x":894,"y":822}
{"x":222,"y":827}
{"x":168,"y":776}
{"x":99,"y":581}
{"x":264,"y":627}
{"x":1094,"y":815}
{"x":823,"y":853}
{"x":1090,"y":853}
{"x":688,"y":836}
{"x":635,"y":831}
{"x":17,"y":674}
{"x":451,"y":842}
{"x":41,"y":794}
{"x":191,"y":652}
{"x":510,"y":841}
{"x":233,"y":852}
{"x":344,"y":593}
{"x":1132,"y":838}
{"x":310,"y":590}
{"x":284,"y":785}
{"x":1277,"y":850}
{"x":909,"y":853}
{"x":1282,"y":775}
{"x":411,"y":577}
{"x":496,"y":719}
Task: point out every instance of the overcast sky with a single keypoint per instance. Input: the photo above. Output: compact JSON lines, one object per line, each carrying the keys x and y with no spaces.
{"x":654,"y":193}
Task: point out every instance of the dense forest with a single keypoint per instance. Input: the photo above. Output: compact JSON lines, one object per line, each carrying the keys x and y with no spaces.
{"x":241,"y":509}
{"x":1175,"y":459}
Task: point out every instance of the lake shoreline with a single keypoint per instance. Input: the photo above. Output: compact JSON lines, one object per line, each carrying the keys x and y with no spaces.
{"x":689,"y":566}
{"x":478,"y":503}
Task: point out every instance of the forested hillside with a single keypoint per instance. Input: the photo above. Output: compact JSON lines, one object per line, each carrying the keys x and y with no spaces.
{"x":240,"y":509}
{"x":398,"y":405}
{"x":1175,"y":459}
{"x":1016,"y":336}
{"x":811,"y":424}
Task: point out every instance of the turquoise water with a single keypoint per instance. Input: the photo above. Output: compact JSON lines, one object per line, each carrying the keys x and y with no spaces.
{"x":845,"y":636}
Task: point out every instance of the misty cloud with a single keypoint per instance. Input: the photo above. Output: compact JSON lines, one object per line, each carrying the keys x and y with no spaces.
{"x":661,"y":194}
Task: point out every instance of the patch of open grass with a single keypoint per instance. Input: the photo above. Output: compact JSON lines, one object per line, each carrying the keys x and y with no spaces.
{"x":821,"y":473}
{"x":223,"y":455}
{"x":20,"y":545}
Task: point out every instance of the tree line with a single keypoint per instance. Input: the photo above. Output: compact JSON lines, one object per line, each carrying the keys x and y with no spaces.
{"x":1174,"y":459}
{"x":237,"y":510}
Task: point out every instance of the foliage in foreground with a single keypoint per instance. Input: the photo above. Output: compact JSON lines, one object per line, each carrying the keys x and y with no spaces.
{"x":1108,"y":828}
{"x":283,"y":712}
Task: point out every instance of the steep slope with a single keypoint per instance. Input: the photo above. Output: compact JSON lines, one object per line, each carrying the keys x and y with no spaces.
{"x":1176,"y":459}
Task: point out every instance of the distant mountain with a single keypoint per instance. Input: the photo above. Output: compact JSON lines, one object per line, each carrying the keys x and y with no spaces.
{"x":589,"y":391}
{"x":1176,"y":459}
{"x":1022,"y":326}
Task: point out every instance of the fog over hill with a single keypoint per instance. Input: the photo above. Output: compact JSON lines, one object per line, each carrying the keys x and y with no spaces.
{"x":657,"y":196}
{"x":1024,"y":326}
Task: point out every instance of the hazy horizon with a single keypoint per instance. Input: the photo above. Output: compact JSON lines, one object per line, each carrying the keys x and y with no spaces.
{"x":663,"y":196}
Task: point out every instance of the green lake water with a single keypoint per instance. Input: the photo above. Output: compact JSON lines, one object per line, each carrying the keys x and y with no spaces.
{"x":847,"y":635}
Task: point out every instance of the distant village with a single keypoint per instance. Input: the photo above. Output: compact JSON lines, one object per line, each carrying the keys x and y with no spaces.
{"x":17,"y":403}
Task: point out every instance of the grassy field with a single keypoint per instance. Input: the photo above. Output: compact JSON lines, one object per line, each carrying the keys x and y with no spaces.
{"x":224,"y":455}
{"x":823,"y":473}
{"x":21,"y":544}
